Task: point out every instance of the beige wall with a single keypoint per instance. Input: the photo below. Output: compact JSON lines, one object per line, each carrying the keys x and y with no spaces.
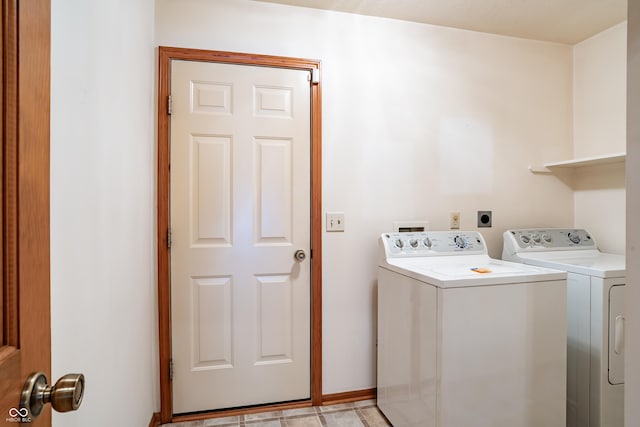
{"x":599,"y":118}
{"x":418,"y":121}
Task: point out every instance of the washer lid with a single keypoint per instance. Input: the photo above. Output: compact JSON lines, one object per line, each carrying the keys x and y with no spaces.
{"x":471,"y":270}
{"x":590,"y":263}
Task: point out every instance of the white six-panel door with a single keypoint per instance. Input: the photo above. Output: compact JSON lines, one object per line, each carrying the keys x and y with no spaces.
{"x":240,"y":209}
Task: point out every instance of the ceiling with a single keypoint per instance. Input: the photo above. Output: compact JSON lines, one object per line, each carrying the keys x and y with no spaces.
{"x":561,"y":21}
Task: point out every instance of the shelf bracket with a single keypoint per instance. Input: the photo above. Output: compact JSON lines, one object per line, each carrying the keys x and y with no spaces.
{"x":539,"y":169}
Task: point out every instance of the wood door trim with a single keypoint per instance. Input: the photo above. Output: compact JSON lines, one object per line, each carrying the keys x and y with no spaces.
{"x":349,"y":396}
{"x":165,"y":56}
{"x":155,"y":420}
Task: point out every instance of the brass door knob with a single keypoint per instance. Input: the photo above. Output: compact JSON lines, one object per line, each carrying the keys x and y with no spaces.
{"x":66,"y":395}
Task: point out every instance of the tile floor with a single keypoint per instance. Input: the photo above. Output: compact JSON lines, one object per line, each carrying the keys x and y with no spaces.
{"x":357,"y":414}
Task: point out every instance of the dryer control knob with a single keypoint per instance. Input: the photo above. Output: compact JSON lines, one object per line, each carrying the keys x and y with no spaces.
{"x":427,"y":242}
{"x":399,"y":243}
{"x":413,"y":243}
{"x":575,"y":238}
{"x":525,"y":239}
{"x":546,"y":238}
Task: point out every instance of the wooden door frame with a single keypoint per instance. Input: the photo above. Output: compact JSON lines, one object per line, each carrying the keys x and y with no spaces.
{"x":165,"y":56}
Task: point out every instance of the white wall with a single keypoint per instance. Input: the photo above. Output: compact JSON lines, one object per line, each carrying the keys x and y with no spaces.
{"x":600,"y":93}
{"x":599,"y":118}
{"x":102,"y":208}
{"x":632,"y":291}
{"x":418,"y":121}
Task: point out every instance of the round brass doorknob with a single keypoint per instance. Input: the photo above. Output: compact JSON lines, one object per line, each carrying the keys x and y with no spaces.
{"x":300,"y":255}
{"x":66,"y":395}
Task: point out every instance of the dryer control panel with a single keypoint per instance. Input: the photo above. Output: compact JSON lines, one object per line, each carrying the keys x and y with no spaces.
{"x":433,"y":243}
{"x":556,"y":239}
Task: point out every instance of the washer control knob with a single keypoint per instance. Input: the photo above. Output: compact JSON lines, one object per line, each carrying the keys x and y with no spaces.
{"x":460,"y":242}
{"x":399,"y":243}
{"x":535,"y":238}
{"x":525,"y":239}
{"x":575,"y":238}
{"x":427,"y":242}
{"x":546,"y":238}
{"x":413,"y":243}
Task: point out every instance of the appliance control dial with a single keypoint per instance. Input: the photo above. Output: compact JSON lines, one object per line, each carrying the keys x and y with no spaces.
{"x":399,"y":243}
{"x":575,"y":238}
{"x":413,"y":243}
{"x":535,"y":238}
{"x":427,"y":242}
{"x":460,"y":242}
{"x":525,"y":239}
{"x":546,"y":237}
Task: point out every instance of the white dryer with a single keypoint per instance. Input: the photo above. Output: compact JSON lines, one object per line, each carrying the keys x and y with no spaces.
{"x":467,"y":340}
{"x":595,"y":320}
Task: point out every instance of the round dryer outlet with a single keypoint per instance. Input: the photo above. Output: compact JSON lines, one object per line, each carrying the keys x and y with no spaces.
{"x":484,"y":219}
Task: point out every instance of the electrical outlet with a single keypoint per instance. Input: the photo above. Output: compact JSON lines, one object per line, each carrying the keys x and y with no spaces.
{"x":335,"y":221}
{"x":454,"y":220}
{"x":484,"y":219}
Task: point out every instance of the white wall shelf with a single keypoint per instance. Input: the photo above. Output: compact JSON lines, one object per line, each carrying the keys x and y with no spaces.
{"x":578,"y":163}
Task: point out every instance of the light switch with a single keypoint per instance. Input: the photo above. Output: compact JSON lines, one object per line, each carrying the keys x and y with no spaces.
{"x":335,"y":221}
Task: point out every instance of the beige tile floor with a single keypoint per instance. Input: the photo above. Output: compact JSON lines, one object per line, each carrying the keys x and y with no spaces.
{"x":357,"y":414}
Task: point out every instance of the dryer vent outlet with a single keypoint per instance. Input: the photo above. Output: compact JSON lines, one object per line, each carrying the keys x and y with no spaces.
{"x":484,"y":219}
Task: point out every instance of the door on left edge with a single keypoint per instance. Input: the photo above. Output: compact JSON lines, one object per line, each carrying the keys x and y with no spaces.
{"x":25,"y":331}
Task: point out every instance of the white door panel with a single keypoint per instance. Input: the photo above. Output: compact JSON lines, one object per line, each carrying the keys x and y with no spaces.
{"x":240,"y":208}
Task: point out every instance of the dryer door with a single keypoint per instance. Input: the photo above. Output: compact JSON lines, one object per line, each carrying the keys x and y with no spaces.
{"x":616,"y":334}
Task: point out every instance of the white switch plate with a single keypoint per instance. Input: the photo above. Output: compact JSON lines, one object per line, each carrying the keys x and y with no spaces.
{"x":335,"y":221}
{"x":454,"y":220}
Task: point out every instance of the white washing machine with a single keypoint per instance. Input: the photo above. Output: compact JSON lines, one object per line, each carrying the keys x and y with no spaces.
{"x":465,"y":340}
{"x":595,"y":322}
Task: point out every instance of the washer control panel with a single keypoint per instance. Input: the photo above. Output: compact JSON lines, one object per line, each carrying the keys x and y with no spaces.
{"x":433,"y":243}
{"x":545,"y":239}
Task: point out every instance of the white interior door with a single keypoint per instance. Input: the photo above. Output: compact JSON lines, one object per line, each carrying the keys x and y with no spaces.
{"x":240,"y":209}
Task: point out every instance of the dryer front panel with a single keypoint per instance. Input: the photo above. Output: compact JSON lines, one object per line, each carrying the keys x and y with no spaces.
{"x":616,"y":334}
